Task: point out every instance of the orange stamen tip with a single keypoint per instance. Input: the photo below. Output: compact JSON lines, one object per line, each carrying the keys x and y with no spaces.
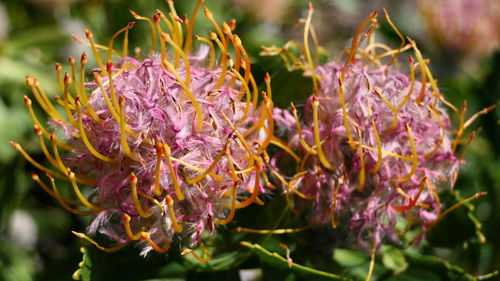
{"x":165,"y":36}
{"x":15,"y":144}
{"x":83,"y":59}
{"x":77,"y":39}
{"x":58,"y":66}
{"x":213,"y":36}
{"x":489,"y":108}
{"x":88,"y":34}
{"x":267,"y":77}
{"x":27,"y":100}
{"x":207,"y":12}
{"x":232,"y":23}
{"x":130,"y":25}
{"x":293,"y":106}
{"x":34,"y":176}
{"x":310,"y":7}
{"x":30,"y":81}
{"x":186,"y":251}
{"x":196,"y":37}
{"x":169,"y":200}
{"x":178,"y":19}
{"x":37,"y":130}
{"x":156,"y":18}
{"x":125,"y":218}
{"x":78,"y":234}
{"x":133,"y":178}
{"x":121,"y":100}
{"x":53,"y":138}
{"x":97,"y":78}
{"x":134,"y":14}
{"x":410,"y":59}
{"x":67,"y":79}
{"x":109,"y":66}
{"x":145,"y":235}
{"x":71,"y":59}
{"x":480,"y":194}
{"x":315,"y":99}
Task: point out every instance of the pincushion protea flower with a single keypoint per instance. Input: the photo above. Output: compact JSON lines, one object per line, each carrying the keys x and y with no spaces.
{"x":164,"y":146}
{"x":373,"y":144}
{"x":467,"y":26}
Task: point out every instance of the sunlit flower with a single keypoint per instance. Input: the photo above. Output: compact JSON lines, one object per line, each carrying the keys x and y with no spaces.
{"x":373,"y":144}
{"x":158,"y":147}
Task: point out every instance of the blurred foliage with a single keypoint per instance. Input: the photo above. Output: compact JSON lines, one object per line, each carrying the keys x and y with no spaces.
{"x":39,"y":35}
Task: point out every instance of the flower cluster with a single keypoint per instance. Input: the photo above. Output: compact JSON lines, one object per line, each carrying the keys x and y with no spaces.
{"x":466,"y":26}
{"x":158,"y":147}
{"x":373,"y":143}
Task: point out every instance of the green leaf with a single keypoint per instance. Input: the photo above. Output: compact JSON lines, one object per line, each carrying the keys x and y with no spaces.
{"x":394,"y":259}
{"x":350,"y":258}
{"x":276,"y":260}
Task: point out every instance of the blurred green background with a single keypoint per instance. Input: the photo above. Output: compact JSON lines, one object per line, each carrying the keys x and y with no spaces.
{"x":35,"y":238}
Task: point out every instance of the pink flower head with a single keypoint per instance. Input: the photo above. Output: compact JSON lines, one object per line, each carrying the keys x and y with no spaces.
{"x":158,"y":147}
{"x":373,"y":143}
{"x":467,"y":26}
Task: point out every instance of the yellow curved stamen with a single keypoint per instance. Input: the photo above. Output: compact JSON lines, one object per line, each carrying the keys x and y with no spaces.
{"x":28,"y":103}
{"x":279,"y":143}
{"x":260,"y":123}
{"x":179,"y":50}
{"x":187,"y":91}
{"x":255,"y":89}
{"x":242,"y":140}
{"x":39,"y":134}
{"x":108,"y":250}
{"x":171,"y":213}
{"x":83,"y":94}
{"x":414,"y":156}
{"x":59,"y":76}
{"x":211,"y":60}
{"x":209,"y":169}
{"x":59,"y":163}
{"x":167,"y":153}
{"x":310,"y":62}
{"x":355,"y":43}
{"x":215,"y":176}
{"x":232,"y":170}
{"x":98,"y":46}
{"x":247,"y":99}
{"x":72,"y":63}
{"x":347,"y":126}
{"x":67,"y":106}
{"x":158,"y":167}
{"x":112,"y":40}
{"x":361,"y":180}
{"x":393,"y":109}
{"x":195,"y":255}
{"x":270,"y":131}
{"x":163,"y":48}
{"x":467,"y":144}
{"x":406,"y":158}
{"x":246,"y":59}
{"x":125,"y":44}
{"x":42,"y":98}
{"x":429,"y":74}
{"x":135,"y":197}
{"x":210,"y":17}
{"x":54,"y":193}
{"x":146,"y":236}
{"x":177,"y":21}
{"x":412,"y":84}
{"x":403,"y":41}
{"x":36,"y":164}
{"x":86,"y":141}
{"x":299,"y":131}
{"x":151,"y":26}
{"x":441,"y":126}
{"x":128,"y":229}
{"x":256,"y":187}
{"x":379,"y":148}
{"x":97,"y":57}
{"x":63,"y":201}
{"x":123,"y":135}
{"x":112,"y":109}
{"x":222,"y":61}
{"x":321,"y":155}
{"x":72,"y":179}
{"x":271,"y":231}
{"x":477,"y":114}
{"x":190,"y":26}
{"x":232,"y":210}
{"x":445,"y":213}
